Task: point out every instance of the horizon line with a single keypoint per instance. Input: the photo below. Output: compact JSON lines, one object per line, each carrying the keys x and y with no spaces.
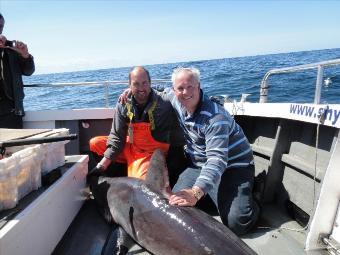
{"x":169,"y":63}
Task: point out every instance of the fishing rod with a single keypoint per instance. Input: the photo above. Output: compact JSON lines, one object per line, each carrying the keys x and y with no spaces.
{"x":28,"y":141}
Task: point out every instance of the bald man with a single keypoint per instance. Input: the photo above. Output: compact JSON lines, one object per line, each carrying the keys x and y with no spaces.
{"x":141,"y":126}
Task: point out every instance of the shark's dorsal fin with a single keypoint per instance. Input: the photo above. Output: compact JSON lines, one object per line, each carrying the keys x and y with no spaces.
{"x":157,"y":175}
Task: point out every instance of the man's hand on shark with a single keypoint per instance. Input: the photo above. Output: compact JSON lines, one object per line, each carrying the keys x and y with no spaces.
{"x":185,"y":197}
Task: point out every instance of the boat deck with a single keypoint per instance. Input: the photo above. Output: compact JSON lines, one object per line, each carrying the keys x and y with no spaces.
{"x":89,"y":234}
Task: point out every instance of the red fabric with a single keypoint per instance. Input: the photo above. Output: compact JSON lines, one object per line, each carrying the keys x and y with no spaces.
{"x":98,"y":146}
{"x":137,"y":155}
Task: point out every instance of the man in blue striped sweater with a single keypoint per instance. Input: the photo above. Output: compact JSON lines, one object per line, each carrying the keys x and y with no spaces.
{"x":221,"y":160}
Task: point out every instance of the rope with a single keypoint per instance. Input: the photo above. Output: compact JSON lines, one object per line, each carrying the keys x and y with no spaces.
{"x":301,"y":230}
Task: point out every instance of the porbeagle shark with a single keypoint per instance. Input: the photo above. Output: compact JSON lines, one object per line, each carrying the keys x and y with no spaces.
{"x":142,"y":209}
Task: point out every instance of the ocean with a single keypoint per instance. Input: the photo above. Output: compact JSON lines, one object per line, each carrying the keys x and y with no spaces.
{"x":225,"y":76}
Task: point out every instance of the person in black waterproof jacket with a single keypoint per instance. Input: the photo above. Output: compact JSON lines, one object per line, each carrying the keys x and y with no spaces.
{"x":15,"y":61}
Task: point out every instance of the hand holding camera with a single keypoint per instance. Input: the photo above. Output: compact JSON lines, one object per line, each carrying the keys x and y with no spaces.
{"x":21,"y":48}
{"x":9,"y":43}
{"x":17,"y":46}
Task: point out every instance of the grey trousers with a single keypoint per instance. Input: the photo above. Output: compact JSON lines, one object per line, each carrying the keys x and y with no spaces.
{"x":233,"y":196}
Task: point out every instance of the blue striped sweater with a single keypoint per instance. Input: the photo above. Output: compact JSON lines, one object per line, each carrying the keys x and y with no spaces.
{"x":214,"y":141}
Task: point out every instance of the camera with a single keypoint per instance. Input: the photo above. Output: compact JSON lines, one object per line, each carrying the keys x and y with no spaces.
{"x":9,"y":43}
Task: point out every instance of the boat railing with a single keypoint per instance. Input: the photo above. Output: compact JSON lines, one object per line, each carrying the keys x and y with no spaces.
{"x":105,"y":84}
{"x":319,"y":81}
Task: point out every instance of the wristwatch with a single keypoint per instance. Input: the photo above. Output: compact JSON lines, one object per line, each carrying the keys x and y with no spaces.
{"x":198,"y":193}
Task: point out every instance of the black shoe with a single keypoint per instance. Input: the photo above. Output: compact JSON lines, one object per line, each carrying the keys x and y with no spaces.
{"x":120,"y":250}
{"x":259,"y":186}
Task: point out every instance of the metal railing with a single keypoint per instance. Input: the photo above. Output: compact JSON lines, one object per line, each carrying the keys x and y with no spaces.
{"x":320,"y":66}
{"x":105,"y":84}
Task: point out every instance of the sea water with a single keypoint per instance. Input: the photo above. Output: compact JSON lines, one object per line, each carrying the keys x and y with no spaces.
{"x":225,"y":76}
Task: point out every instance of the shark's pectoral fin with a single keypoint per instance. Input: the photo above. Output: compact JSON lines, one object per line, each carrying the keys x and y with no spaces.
{"x":157,"y":175}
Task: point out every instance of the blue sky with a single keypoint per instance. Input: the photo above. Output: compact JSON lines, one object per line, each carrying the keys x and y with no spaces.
{"x":83,"y":35}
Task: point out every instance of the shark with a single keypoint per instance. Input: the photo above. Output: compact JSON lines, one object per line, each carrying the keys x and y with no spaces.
{"x":142,"y":209}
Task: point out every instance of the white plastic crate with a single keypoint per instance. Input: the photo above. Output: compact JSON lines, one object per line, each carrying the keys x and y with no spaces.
{"x":54,"y":156}
{"x":19,"y":175}
{"x":20,"y":171}
{"x":54,"y":153}
{"x":8,"y":183}
{"x":29,"y":170}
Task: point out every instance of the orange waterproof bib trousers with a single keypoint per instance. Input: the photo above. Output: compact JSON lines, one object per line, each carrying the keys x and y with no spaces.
{"x":137,"y":151}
